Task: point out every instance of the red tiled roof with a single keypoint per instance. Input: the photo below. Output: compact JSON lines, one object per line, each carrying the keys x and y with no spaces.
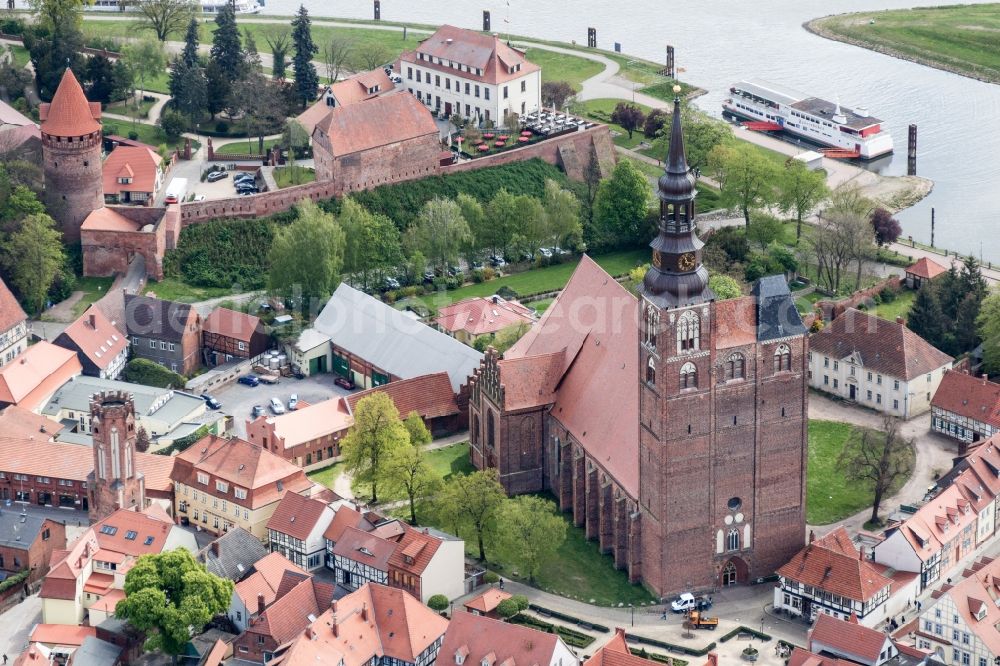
{"x":61,"y":634}
{"x":365,"y":548}
{"x":356,"y":88}
{"x":938,"y":522}
{"x":96,"y":337}
{"x":296,"y":516}
{"x":266,"y":578}
{"x":145,"y":527}
{"x":974,"y":594}
{"x":487,"y":53}
{"x":346,"y":517}
{"x":231,"y":324}
{"x":414,"y":551}
{"x":11,"y":312}
{"x":17,"y":422}
{"x":480,"y":315}
{"x":70,"y":114}
{"x":32,"y":377}
{"x":926,"y":268}
{"x":430,"y":396}
{"x":140,"y":164}
{"x":379,"y":122}
{"x":488,"y":600}
{"x":616,"y":653}
{"x":803,"y":657}
{"x":482,"y":636}
{"x":289,"y":614}
{"x":887,"y":347}
{"x":972,"y":397}
{"x":530,"y":381}
{"x":830,"y":565}
{"x":848,"y":637}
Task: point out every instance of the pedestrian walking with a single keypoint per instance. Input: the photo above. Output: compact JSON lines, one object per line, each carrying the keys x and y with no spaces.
{"x":501,"y":583}
{"x":5,"y":659}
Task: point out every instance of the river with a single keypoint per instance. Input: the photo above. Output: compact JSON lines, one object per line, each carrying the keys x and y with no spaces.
{"x":718,"y":42}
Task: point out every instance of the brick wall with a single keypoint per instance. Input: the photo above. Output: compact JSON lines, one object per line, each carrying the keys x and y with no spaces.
{"x":108,"y":252}
{"x":833,"y":309}
{"x":35,"y":555}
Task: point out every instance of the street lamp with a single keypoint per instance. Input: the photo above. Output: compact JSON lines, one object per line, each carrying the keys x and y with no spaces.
{"x":632,"y":609}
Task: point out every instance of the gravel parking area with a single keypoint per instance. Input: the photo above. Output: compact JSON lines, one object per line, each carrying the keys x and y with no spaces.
{"x":238,"y":400}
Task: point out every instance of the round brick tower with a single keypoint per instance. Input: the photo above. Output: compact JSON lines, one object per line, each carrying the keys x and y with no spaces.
{"x":115,"y":483}
{"x":71,"y":156}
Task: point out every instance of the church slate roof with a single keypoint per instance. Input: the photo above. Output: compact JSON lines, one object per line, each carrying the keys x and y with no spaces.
{"x":777,"y":316}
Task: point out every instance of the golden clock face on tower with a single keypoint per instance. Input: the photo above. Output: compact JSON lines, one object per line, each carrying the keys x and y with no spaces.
{"x":686,"y":261}
{"x":657,"y":259}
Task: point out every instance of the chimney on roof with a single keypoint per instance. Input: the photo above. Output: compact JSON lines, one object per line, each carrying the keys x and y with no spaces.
{"x":985,"y":377}
{"x":900,"y":320}
{"x":92,"y":320}
{"x":713,"y":659}
{"x":309,"y":633}
{"x":260,"y":602}
{"x":215,"y":548}
{"x":364,"y":612}
{"x":333,"y":626}
{"x":620,"y":631}
{"x":496,"y":299}
{"x":333,"y":605}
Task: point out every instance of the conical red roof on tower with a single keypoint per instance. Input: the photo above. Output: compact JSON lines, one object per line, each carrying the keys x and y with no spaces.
{"x":70,"y":114}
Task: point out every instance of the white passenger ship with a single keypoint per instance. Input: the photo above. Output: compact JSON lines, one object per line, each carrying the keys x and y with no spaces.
{"x":849,"y":133}
{"x":207,"y":6}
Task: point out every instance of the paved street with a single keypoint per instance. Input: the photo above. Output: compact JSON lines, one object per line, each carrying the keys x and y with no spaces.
{"x":16,"y":625}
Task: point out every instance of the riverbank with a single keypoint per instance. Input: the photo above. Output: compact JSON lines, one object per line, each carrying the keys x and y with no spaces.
{"x":960,"y":39}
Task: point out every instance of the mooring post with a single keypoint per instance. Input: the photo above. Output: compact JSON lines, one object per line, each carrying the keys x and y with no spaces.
{"x":932,"y":227}
{"x":669,"y":72}
{"x":911,"y":152}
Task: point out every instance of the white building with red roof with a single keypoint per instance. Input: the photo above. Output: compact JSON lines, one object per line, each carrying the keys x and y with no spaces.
{"x":261,"y":587}
{"x":101,"y":348}
{"x":834,"y":642}
{"x":965,"y":407}
{"x":13,"y":326}
{"x":94,"y":566}
{"x":476,"y":75}
{"x":36,"y":375}
{"x":296,"y":530}
{"x":476,"y":639}
{"x":473,"y":318}
{"x":132,"y":175}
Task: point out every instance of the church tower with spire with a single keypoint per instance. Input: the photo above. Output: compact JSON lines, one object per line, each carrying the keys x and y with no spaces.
{"x":71,"y":156}
{"x":722,"y":410}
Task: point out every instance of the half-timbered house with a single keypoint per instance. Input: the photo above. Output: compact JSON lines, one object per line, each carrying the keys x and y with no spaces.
{"x":227,"y":335}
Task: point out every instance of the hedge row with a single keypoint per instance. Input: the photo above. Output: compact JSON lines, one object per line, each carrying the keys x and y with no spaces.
{"x":683,"y":649}
{"x":148,"y":373}
{"x":16,"y":579}
{"x":573,"y":638}
{"x":745,"y":630}
{"x":541,"y":610}
{"x":654,"y":656}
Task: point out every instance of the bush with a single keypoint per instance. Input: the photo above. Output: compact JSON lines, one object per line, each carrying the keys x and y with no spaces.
{"x":12,"y":26}
{"x":438,"y":602}
{"x":222,"y":127}
{"x":16,"y":579}
{"x":148,"y":373}
{"x":491,"y":578}
{"x":134,"y":136}
{"x":506,"y":293}
{"x":223,"y":253}
{"x":173,"y":123}
{"x":508,"y":608}
{"x":410,"y":292}
{"x":888,"y":294}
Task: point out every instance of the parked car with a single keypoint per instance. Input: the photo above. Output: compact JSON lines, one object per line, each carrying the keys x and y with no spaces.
{"x":258,"y":410}
{"x":454,"y":271}
{"x":396,"y":78}
{"x":198,"y":197}
{"x":546,"y":252}
{"x":344,"y":383}
{"x":277,"y":407}
{"x":243,"y":175}
{"x":428,"y":277}
{"x":497,"y":262}
{"x":688,"y":602}
{"x":293,"y":402}
{"x":249,"y":380}
{"x":391,"y":283}
{"x":211,"y":402}
{"x":216,"y":176}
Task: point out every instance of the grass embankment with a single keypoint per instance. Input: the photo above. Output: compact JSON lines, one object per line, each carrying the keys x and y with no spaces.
{"x":958,"y":38}
{"x":93,"y":288}
{"x":148,"y":134}
{"x":900,"y":307}
{"x":245,"y":147}
{"x":170,"y":289}
{"x":830,"y":495}
{"x":287,"y":176}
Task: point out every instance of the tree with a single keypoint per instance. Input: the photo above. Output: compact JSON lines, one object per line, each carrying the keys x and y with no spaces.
{"x":306,"y":81}
{"x":277,"y":40}
{"x":219,"y":90}
{"x":295,"y":137}
{"x":724,"y":287}
{"x":851,"y":212}
{"x":141,"y":440}
{"x":501,"y":222}
{"x":988,"y":325}
{"x":655,"y":122}
{"x":336,"y":54}
{"x":32,"y":257}
{"x":887,"y":228}
{"x":415,"y":426}
{"x":701,"y":134}
{"x":925,"y":317}
{"x":475,"y":500}
{"x":966,"y":333}
{"x":507,"y":337}
{"x":100,"y":78}
{"x":371,"y":55}
{"x":172,"y":123}
{"x":746,"y":177}
{"x":475,"y":217}
{"x":562,"y":214}
{"x":373,"y":243}
{"x":145,"y":59}
{"x":190,"y":52}
{"x":438,"y":602}
{"x":308,"y":254}
{"x":765,"y":230}
{"x":800,"y":190}
{"x":879,"y":459}
{"x":58,"y":14}
{"x":507,"y":609}
{"x":227,"y":47}
{"x":409,"y":474}
{"x":621,"y":207}
{"x":530,"y":533}
{"x":188,"y":89}
{"x":440,"y":232}
{"x":534,"y":229}
{"x":171,"y":598}
{"x":258,"y":99}
{"x":629,"y":116}
{"x":164,"y":17}
{"x":491,"y":578}
{"x":251,"y":56}
{"x":376,"y":436}
{"x":54,"y":42}
{"x":556,"y":93}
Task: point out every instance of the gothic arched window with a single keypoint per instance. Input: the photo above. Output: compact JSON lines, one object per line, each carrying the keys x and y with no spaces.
{"x":782,"y":358}
{"x":733,"y":539}
{"x":689,"y":376}
{"x":735,"y":367}
{"x":688,"y":332}
{"x":652,"y":323}
{"x":651,"y":372}
{"x":491,"y":425}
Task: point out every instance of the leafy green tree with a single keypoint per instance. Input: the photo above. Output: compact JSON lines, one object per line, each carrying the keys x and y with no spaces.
{"x":562,"y":213}
{"x":701,"y":134}
{"x":58,"y":14}
{"x":220,"y":90}
{"x":295,"y":137}
{"x":171,"y":598}
{"x":745,"y":175}
{"x":621,"y":207}
{"x":764,"y":230}
{"x":925,"y":318}
{"x":306,"y":80}
{"x":800,"y":190}
{"x":724,"y":287}
{"x":308,"y":254}
{"x":32,"y":256}
{"x":440,"y":232}
{"x":555,"y":93}
{"x":145,"y":59}
{"x":475,"y":217}
{"x":988,"y":326}
{"x":438,"y":602}
{"x":19,"y":203}
{"x":100,"y":78}
{"x":372,"y":242}
{"x":530,"y":533}
{"x":475,"y":500}
{"x":521,"y":601}
{"x":227,"y":47}
{"x":376,"y":436}
{"x":491,"y":578}
{"x":408,"y":474}
{"x":966,"y":333}
{"x":419,"y":434}
{"x":173,"y":123}
{"x":257,"y":98}
{"x":277,"y":41}
{"x":251,"y":56}
{"x":534,"y":229}
{"x":164,"y":17}
{"x":507,"y":609}
{"x":55,"y":42}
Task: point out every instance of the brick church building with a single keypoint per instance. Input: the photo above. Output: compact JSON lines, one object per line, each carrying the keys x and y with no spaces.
{"x":672,"y":426}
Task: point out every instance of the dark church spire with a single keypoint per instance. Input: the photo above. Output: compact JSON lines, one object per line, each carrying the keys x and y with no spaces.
{"x":677,"y":277}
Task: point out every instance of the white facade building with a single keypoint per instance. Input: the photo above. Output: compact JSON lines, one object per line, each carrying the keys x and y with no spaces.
{"x":13,"y":326}
{"x":472,"y":74}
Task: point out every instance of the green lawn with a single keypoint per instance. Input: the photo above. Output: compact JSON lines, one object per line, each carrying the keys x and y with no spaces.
{"x":128,"y":108}
{"x":958,"y":38}
{"x":93,"y":288}
{"x":453,"y":459}
{"x":542,"y":305}
{"x":170,"y":289}
{"x":601,"y":110}
{"x":21,"y":56}
{"x":149,"y":134}
{"x":830,"y":495}
{"x":242,"y":147}
{"x":563,"y":67}
{"x":287,"y":176}
{"x":327,"y":475}
{"x":898,"y":308}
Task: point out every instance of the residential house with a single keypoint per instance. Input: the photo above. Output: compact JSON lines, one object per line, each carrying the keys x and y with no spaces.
{"x":476,"y":75}
{"x":966,"y":408}
{"x":360,"y":87}
{"x":296,"y":530}
{"x":261,"y":587}
{"x":473,"y":318}
{"x":101,"y":348}
{"x":62,"y":640}
{"x":476,"y":639}
{"x":977,"y":476}
{"x":616,"y":652}
{"x":922,"y":272}
{"x":834,"y":642}
{"x":232,"y":554}
{"x":487,"y":602}
{"x":934,"y":541}
{"x":227,"y":335}
{"x":132,"y":175}
{"x":95,"y":565}
{"x":877,"y":363}
{"x":830,"y":576}
{"x":20,"y":137}
{"x":345,"y":516}
{"x":27,"y":541}
{"x":13,"y":325}
{"x":19,"y":423}
{"x":430,"y":396}
{"x":37,"y":373}
{"x":164,"y":332}
{"x":224,"y":483}
{"x":373,"y":626}
{"x":373,"y":343}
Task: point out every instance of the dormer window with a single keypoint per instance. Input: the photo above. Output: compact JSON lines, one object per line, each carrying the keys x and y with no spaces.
{"x":459,"y":658}
{"x":364,"y":551}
